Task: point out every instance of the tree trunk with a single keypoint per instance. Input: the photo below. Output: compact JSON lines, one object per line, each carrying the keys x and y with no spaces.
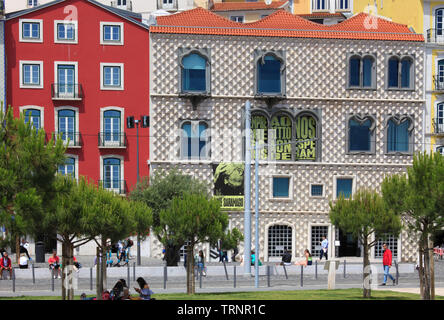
{"x":426,"y":270}
{"x":172,"y":255}
{"x":67,"y":271}
{"x":103,"y":265}
{"x":366,"y":272}
{"x":17,"y":249}
{"x":190,"y":269}
{"x":432,"y":270}
{"x":421,"y":269}
{"x":99,"y":285}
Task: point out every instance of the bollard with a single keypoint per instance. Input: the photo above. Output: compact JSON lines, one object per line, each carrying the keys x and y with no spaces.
{"x":90,"y":278}
{"x":345,"y":268}
{"x":200,"y":280}
{"x":397,"y":271}
{"x":33,"y":273}
{"x":316,"y":269}
{"x":134,"y":271}
{"x":268,"y":276}
{"x":302,"y":276}
{"x":234,"y":273}
{"x":13,"y":279}
{"x":128,"y":274}
{"x":164,"y":277}
{"x":285,"y":271}
{"x":52,"y":279}
{"x":226,"y":272}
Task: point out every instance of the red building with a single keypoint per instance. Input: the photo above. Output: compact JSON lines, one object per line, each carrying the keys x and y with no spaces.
{"x":80,"y":68}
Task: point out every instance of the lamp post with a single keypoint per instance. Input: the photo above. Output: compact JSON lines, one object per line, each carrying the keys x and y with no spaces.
{"x":145,"y":123}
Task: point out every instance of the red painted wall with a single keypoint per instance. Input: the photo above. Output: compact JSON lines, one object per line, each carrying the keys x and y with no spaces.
{"x":89,"y":53}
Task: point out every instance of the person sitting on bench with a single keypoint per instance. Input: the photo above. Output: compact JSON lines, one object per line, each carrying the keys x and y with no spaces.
{"x":5,"y":264}
{"x":308,"y":259}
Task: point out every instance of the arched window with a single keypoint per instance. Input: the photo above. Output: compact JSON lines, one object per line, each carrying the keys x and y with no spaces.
{"x":259,"y":127}
{"x":111,"y":126}
{"x":439,"y":120}
{"x":282,"y":130}
{"x":67,"y":124}
{"x":194,"y":72}
{"x":362,"y":71}
{"x":361,"y":133}
{"x":400,"y":72}
{"x":33,"y":116}
{"x":111,"y":174}
{"x":270,"y":73}
{"x":280,"y":238}
{"x":306,"y":132}
{"x":68,"y":168}
{"x":195,"y":140}
{"x":399,"y":129}
{"x":439,"y":26}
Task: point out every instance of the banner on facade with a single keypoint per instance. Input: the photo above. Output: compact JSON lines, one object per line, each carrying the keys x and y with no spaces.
{"x":305,"y":130}
{"x":228,"y":181}
{"x":281,"y":127}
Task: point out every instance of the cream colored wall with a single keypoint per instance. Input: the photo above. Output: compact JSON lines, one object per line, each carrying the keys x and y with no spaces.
{"x":301,"y":6}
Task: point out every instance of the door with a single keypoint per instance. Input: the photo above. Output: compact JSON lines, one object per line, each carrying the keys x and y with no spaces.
{"x":111,"y":174}
{"x":111,"y":127}
{"x":67,"y":125}
{"x":66,"y":76}
{"x":349,"y":246}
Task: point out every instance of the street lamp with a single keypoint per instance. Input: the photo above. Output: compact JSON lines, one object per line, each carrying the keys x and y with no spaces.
{"x":145,"y":123}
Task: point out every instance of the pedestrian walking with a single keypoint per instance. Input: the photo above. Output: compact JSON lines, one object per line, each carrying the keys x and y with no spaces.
{"x":324,"y":248}
{"x":387,"y":263}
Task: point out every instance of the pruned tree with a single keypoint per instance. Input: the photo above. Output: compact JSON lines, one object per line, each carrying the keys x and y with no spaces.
{"x":158,"y":193}
{"x":419,"y":198}
{"x":364,"y":215}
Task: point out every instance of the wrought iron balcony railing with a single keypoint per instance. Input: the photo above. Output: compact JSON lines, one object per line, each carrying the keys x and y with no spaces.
{"x":117,"y":186}
{"x":435,"y":36}
{"x":67,"y":91}
{"x":438,"y":125}
{"x":70,"y":138}
{"x":112,"y":140}
{"x":438,"y":83}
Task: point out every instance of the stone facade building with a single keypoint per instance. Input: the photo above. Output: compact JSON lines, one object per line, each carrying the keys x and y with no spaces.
{"x":323,"y":85}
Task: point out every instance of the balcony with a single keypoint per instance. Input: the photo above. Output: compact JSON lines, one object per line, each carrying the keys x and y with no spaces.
{"x":70,"y":139}
{"x":438,"y":126}
{"x":438,"y":84}
{"x":122,"y":4}
{"x":117,"y":186}
{"x":112,"y":140}
{"x":63,"y":91}
{"x":435,"y":36}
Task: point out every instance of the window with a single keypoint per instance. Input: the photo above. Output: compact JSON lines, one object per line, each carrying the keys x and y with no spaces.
{"x":111,"y":33}
{"x":343,"y":4}
{"x":112,"y":175}
{"x":439,"y":121}
{"x":67,"y":125}
{"x":362,"y":72}
{"x":439,"y":26}
{"x":167,"y":4}
{"x":317,"y":232}
{"x":111,"y":76}
{"x":194,"y":71}
{"x":399,"y":129}
{"x":344,"y":187}
{"x":31,"y":30}
{"x":270,"y":73}
{"x":392,"y":244}
{"x":400,"y":73}
{"x":280,"y":238}
{"x":68,"y":168}
{"x":195,"y":140}
{"x":439,"y":78}
{"x":111,"y":126}
{"x":237,"y":18}
{"x":281,"y":187}
{"x":318,"y":5}
{"x":440,"y":149}
{"x":33,"y":116}
{"x":31,"y":74}
{"x":66,"y":78}
{"x":65,"y":32}
{"x":361,"y":134}
{"x":317,"y":190}
{"x":32,"y":3}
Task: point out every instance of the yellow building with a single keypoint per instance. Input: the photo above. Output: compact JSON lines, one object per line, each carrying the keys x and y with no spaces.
{"x":426,"y":17}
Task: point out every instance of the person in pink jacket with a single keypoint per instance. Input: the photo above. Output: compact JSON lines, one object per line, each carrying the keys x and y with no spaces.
{"x":387,"y":263}
{"x":5,"y":264}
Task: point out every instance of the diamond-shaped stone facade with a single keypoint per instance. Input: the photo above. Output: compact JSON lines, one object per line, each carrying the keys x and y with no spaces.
{"x":316,"y":74}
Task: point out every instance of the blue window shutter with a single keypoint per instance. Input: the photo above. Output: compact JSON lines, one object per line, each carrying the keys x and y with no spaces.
{"x":354,"y":73}
{"x":359,"y":136}
{"x":344,"y":186}
{"x":393,"y":71}
{"x":269,"y":75}
{"x":281,"y":187}
{"x":367,"y":71}
{"x":194,"y":73}
{"x":406,"y":66}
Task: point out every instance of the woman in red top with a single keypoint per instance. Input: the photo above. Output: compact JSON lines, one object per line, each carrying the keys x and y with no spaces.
{"x":54,"y":265}
{"x":5,"y":264}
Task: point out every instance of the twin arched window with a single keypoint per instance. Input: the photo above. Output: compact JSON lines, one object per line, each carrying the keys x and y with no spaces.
{"x":361,"y":129}
{"x":195,"y":140}
{"x":399,"y":134}
{"x":400,"y":72}
{"x":362,"y":71}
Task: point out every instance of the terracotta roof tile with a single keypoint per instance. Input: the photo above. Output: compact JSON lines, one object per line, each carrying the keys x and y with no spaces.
{"x":237,"y":6}
{"x":284,"y":24}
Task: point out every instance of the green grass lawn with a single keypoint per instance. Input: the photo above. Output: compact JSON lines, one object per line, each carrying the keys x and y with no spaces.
{"x":343,"y":294}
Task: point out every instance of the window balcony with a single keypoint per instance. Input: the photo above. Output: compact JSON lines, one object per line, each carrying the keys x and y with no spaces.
{"x":438,"y":126}
{"x":117,"y":186}
{"x":438,"y":84}
{"x":435,"y":36}
{"x":112,"y":140}
{"x":63,"y":91}
{"x":122,"y":4}
{"x":70,"y":139}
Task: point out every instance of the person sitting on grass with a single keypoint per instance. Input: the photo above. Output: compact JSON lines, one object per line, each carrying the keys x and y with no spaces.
{"x":308,"y":259}
{"x":144,"y":291}
{"x":5,"y":264}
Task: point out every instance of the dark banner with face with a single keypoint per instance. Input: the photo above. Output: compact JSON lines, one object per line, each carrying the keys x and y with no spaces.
{"x":228,"y":181}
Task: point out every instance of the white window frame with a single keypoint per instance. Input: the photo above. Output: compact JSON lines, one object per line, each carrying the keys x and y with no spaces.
{"x":102,"y":76}
{"x":335,"y":178}
{"x":76,"y":124}
{"x":109,"y":42}
{"x":30,"y":86}
{"x":290,"y":187}
{"x":122,"y":166}
{"x":33,"y":3}
{"x":56,"y":33}
{"x":36,"y":40}
{"x":122,"y":125}
{"x":317,"y":184}
{"x":76,"y":164}
{"x":168,"y":5}
{"x":42,"y":113}
{"x":238,"y":16}
{"x":76,"y":74}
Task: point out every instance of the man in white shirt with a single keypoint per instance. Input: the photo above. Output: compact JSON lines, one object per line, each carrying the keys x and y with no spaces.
{"x":324,"y":248}
{"x":23,"y":262}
